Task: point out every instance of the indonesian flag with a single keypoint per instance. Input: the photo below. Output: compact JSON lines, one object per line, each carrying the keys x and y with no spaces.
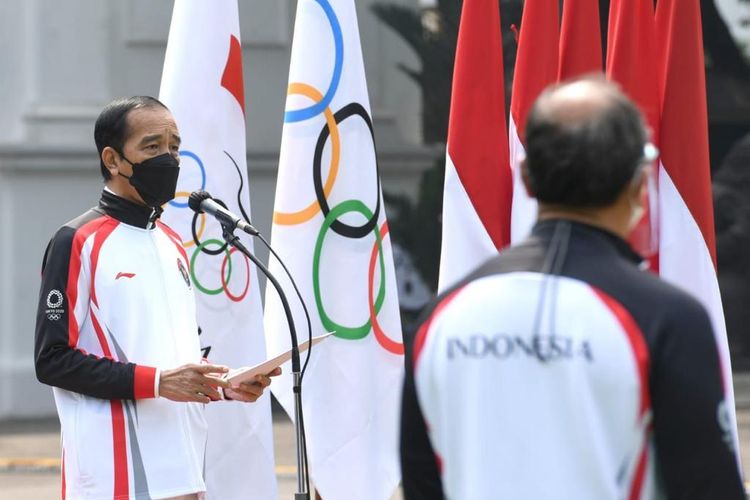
{"x":536,"y":68}
{"x":478,"y":181}
{"x":687,"y":240}
{"x":631,"y":54}
{"x":330,"y":228}
{"x":202,"y":85}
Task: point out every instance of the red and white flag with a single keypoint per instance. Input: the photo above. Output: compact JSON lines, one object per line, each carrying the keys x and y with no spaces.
{"x":632,"y":63}
{"x":687,"y":248}
{"x":536,"y":68}
{"x":203,"y":86}
{"x":580,"y":39}
{"x":478,"y":180}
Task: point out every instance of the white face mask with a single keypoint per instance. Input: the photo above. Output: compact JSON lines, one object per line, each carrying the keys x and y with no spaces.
{"x":636,"y":214}
{"x":644,"y":237}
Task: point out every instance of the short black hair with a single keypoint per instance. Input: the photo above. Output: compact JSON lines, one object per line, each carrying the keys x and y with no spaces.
{"x":111,"y":128}
{"x":588,"y":162}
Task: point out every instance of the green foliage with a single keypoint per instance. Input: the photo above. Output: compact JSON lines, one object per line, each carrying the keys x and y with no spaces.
{"x":433,"y":34}
{"x":417,"y":226}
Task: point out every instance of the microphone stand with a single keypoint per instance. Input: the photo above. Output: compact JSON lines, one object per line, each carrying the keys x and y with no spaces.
{"x":302,"y":479}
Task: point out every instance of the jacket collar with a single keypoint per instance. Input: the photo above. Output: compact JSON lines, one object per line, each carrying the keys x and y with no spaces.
{"x":127,"y":211}
{"x":546,"y":227}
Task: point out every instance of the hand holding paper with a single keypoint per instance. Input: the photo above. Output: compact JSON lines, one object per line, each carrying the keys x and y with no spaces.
{"x":249,"y":391}
{"x":268,"y":366}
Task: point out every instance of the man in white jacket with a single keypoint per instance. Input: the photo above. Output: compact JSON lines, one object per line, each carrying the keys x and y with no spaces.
{"x":116,"y":332}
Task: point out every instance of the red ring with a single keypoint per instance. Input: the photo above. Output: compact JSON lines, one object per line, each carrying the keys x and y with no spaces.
{"x":234,"y":298}
{"x":389,"y":345}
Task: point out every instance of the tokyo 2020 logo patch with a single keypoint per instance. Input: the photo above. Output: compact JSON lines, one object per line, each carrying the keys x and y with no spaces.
{"x":55,"y":300}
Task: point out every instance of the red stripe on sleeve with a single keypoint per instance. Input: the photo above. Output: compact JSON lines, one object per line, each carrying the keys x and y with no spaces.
{"x":74,"y":271}
{"x":175,"y":239}
{"x":640,"y":353}
{"x":637,"y":344}
{"x":143,"y":382}
{"x":101,"y":235}
{"x":100,"y":335}
{"x":62,"y":493}
{"x":640,"y":474}
{"x":421,"y":337}
{"x":439,"y":462}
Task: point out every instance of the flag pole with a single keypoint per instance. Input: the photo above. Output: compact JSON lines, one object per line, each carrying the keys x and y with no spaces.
{"x":302,"y":477}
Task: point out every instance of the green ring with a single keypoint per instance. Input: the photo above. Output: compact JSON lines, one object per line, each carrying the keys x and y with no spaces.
{"x":346,"y":332}
{"x":201,"y":246}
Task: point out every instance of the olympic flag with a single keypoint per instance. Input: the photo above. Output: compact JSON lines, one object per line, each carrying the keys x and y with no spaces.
{"x":202,"y":84}
{"x":478,"y":180}
{"x":330,"y":228}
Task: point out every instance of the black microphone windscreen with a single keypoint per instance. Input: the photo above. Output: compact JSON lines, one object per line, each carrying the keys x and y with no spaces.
{"x":196,"y":198}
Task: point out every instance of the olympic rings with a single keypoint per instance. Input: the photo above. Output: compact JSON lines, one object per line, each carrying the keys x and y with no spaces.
{"x":198,"y":230}
{"x":189,"y":243}
{"x":322,"y":104}
{"x":195,"y":157}
{"x":224,"y":282}
{"x":388,"y":344}
{"x":197,"y":235}
{"x":299,"y":115}
{"x":198,"y":285}
{"x":345,"y":332}
{"x":307,"y":213}
{"x":345,"y":230}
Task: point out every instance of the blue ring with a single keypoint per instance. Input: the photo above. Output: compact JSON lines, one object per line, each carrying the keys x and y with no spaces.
{"x":299,"y":115}
{"x":190,"y":154}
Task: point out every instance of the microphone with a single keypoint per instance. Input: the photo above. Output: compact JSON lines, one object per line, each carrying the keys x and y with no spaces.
{"x":200,"y":202}
{"x":203,"y":202}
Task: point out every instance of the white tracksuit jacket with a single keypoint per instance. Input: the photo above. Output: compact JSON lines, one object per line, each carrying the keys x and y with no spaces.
{"x":560,"y":370}
{"x":116,"y":306}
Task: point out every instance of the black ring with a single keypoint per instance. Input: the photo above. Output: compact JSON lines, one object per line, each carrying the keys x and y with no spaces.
{"x":194,"y":230}
{"x":339,"y":227}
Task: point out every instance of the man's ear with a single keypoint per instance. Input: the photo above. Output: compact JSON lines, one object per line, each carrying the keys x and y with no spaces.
{"x":525,"y":179}
{"x":111,"y":160}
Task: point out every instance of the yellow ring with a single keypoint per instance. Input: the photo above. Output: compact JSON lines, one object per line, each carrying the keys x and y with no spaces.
{"x":201,"y":228}
{"x":307,"y":213}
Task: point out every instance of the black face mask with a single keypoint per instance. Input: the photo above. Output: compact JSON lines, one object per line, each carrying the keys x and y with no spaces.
{"x":155,"y":179}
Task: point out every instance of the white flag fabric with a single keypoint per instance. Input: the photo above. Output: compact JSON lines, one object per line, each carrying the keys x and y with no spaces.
{"x":202,"y":85}
{"x":330,"y":228}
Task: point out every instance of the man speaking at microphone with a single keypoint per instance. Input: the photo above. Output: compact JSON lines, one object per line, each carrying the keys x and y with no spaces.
{"x":116,"y":332}
{"x":560,"y":369}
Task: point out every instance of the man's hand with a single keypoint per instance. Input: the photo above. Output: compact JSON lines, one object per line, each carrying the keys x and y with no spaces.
{"x":248,"y":391}
{"x":193,"y":383}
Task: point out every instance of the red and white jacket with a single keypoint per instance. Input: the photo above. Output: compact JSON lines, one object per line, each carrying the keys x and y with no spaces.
{"x":116,"y":306}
